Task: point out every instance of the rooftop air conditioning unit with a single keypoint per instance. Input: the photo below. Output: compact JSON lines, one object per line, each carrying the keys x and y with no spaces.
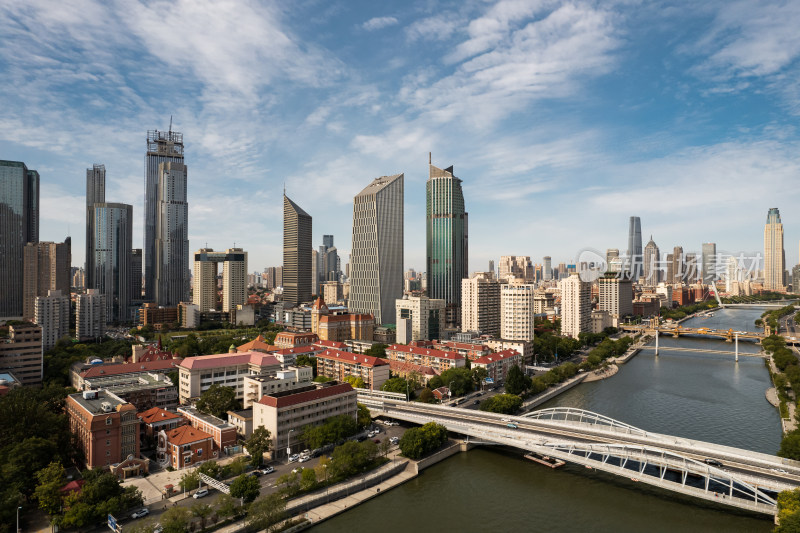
{"x":106,"y":407}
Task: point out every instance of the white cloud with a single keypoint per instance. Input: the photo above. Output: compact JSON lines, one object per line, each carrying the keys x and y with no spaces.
{"x":378,"y":23}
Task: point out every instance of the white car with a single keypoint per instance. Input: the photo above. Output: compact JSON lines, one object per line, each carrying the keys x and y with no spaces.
{"x":267,"y":470}
{"x":304,"y":458}
{"x":140,"y":513}
{"x":394,"y":440}
{"x":200,"y":493}
{"x":294,"y":457}
{"x":779,"y":471}
{"x":297,"y":470}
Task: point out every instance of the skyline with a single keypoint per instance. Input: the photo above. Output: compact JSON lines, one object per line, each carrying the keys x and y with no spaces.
{"x":667,"y":112}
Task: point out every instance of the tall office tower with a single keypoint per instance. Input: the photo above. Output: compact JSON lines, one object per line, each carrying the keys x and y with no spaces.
{"x":113,"y":225}
{"x":90,"y":315}
{"x":615,"y":295}
{"x":576,"y":306}
{"x":634,"y":259}
{"x":516,"y":266}
{"x":670,"y":272}
{"x":78,"y":278}
{"x":162,"y":147}
{"x":47,"y":267}
{"x":774,"y":258}
{"x":376,"y":262}
{"x":678,"y":265}
{"x":51,"y":312}
{"x":19,"y":225}
{"x":733,"y":274}
{"x":327,"y":261}
{"x":709,"y":262}
{"x":561,"y":271}
{"x":491,"y":267}
{"x":136,"y":274}
{"x":296,"y":253}
{"x":516,"y":311}
{"x":315,"y":277}
{"x":279,"y":276}
{"x":95,"y":194}
{"x":446,"y":229}
{"x":612,"y":260}
{"x":692,"y":268}
{"x":172,"y":236}
{"x":234,"y":279}
{"x":651,"y":263}
{"x":480,"y":303}
{"x":548,"y":268}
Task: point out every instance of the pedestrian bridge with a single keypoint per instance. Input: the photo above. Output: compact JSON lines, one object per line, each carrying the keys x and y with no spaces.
{"x":747,"y":480}
{"x":676,"y":330}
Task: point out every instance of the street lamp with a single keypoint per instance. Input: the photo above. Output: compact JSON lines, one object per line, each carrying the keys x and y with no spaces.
{"x":18,"y":509}
{"x":288,"y":445}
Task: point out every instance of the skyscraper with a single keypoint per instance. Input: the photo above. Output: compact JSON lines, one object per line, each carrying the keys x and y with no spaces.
{"x":136,"y":275}
{"x":548,"y":268}
{"x":162,"y":147}
{"x":446,"y":237}
{"x":19,"y":225}
{"x":90,"y":315}
{"x":113,"y":225}
{"x":774,"y":258}
{"x":172,"y":236}
{"x":652,"y":268}
{"x":516,"y":266}
{"x":709,"y":262}
{"x":376,"y":262}
{"x":480,"y":303}
{"x":516,"y":311}
{"x":576,"y":305}
{"x":296,"y":253}
{"x":634,"y":259}
{"x":678,"y":265}
{"x":47,"y":268}
{"x":52,"y":314}
{"x":95,"y":194}
{"x":612,"y":260}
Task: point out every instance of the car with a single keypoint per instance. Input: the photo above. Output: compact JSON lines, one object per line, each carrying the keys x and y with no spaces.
{"x":201,"y":493}
{"x":476,"y":402}
{"x":505,"y":420}
{"x":394,"y":440}
{"x":779,"y":471}
{"x":255,"y":473}
{"x":511,"y":425}
{"x":267,"y":470}
{"x":306,"y":453}
{"x":713,"y":462}
{"x":478,"y":393}
{"x":294,"y":457}
{"x":304,"y":458}
{"x":376,"y":429}
{"x":387,"y":422}
{"x":140,"y":513}
{"x":297,"y":470}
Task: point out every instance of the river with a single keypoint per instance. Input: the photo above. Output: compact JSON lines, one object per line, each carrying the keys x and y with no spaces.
{"x":695,"y":395}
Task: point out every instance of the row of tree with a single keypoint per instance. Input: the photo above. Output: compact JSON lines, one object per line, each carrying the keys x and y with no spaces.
{"x":418,"y":442}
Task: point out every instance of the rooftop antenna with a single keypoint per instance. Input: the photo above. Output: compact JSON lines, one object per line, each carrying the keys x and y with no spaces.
{"x":170,"y":123}
{"x":429,"y":158}
{"x":284,"y":188}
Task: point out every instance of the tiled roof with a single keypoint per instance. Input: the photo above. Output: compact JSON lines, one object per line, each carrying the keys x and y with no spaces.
{"x":297,"y":351}
{"x":294,"y":335}
{"x":129,"y":368}
{"x":349,"y":357}
{"x":156,"y":414}
{"x":304,"y":397}
{"x":331,"y":344}
{"x":186,"y":435}
{"x":345,"y":318}
{"x":439,"y":354}
{"x":404,"y":366}
{"x":494,"y":357}
{"x":230,"y":359}
{"x":258,"y":344}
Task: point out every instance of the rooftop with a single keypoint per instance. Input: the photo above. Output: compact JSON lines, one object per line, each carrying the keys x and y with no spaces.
{"x":208,"y":419}
{"x":304,"y":395}
{"x":127,"y":368}
{"x":186,"y":435}
{"x":349,"y":357}
{"x":157,"y":414}
{"x":439,"y":354}
{"x":259,"y":344}
{"x":94,"y":405}
{"x":229,"y":359}
{"x":494,"y":357}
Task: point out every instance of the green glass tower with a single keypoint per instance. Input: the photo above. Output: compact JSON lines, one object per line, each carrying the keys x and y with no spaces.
{"x":446,"y":232}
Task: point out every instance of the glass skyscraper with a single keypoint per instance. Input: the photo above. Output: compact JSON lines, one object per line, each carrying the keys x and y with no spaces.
{"x":172,"y":236}
{"x":113,"y":226}
{"x":634,"y":259}
{"x":296,"y":253}
{"x":446,"y":238}
{"x":95,"y":194}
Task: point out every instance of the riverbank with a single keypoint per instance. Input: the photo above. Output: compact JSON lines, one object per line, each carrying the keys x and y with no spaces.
{"x":551,"y":393}
{"x":602,"y":373}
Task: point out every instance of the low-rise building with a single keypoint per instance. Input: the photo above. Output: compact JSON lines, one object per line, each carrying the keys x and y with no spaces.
{"x":21,"y":353}
{"x":522,"y":347}
{"x":242,"y":421}
{"x":187,"y":446}
{"x":156,"y":419}
{"x":197,"y":374}
{"x":339,"y":326}
{"x":470,"y":350}
{"x":338,"y":365}
{"x":498,"y":364}
{"x":600,"y":320}
{"x":145,"y":391}
{"x":259,"y":344}
{"x":97,"y":374}
{"x":285,"y":414}
{"x":422,"y":374}
{"x":257,"y":386}
{"x":332,"y":345}
{"x":288,"y":356}
{"x":289,"y":339}
{"x":436,"y":359}
{"x":222,"y":433}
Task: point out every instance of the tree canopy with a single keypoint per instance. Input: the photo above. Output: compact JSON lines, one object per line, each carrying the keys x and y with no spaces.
{"x":516,"y":381}
{"x":333,"y":430}
{"x":401,"y":385}
{"x":218,"y":400}
{"x":245,"y":487}
{"x":458,"y":380}
{"x":258,"y":443}
{"x":418,"y":442}
{"x":502,"y":403}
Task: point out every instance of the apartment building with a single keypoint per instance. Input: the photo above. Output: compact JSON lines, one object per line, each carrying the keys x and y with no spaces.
{"x":222,"y":433}
{"x":21,"y":353}
{"x":197,"y":374}
{"x":338,"y":365}
{"x":498,"y":364}
{"x":436,"y":359}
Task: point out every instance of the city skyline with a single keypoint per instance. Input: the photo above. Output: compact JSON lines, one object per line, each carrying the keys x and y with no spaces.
{"x":366,"y":90}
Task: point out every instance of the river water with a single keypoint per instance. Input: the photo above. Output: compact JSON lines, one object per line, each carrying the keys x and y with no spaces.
{"x":689,"y":394}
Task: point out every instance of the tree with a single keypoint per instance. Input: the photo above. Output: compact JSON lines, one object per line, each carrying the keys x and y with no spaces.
{"x":417,"y":442}
{"x":218,"y":400}
{"x":479,"y":374}
{"x":516,"y":381}
{"x":258,"y":444}
{"x":202,"y":511}
{"x":789,"y":524}
{"x":357,"y":382}
{"x":363,"y":416}
{"x":190,"y":481}
{"x":245,"y":487}
{"x":385,"y":446}
{"x":266,"y":511}
{"x":175,"y":520}
{"x":790,"y":445}
{"x":459,"y":380}
{"x":48,"y":491}
{"x":226,"y":506}
{"x":426,"y":396}
{"x":377,"y":350}
{"x":400,"y":385}
{"x":308,"y":479}
{"x":210,"y":468}
{"x":507,"y":404}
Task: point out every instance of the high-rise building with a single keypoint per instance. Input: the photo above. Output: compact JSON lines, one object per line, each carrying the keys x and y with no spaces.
{"x":90,"y":315}
{"x":95,"y":194}
{"x":576,"y":306}
{"x":78,"y":278}
{"x":651,"y":263}
{"x":327,"y":263}
{"x":517,"y":311}
{"x":692,"y":268}
{"x":634,"y":259}
{"x":516,"y":266}
{"x":615,"y":296}
{"x":19,"y":225}
{"x":136,"y":275}
{"x":548,"y":268}
{"x":733,"y":274}
{"x":315,"y":276}
{"x":491,"y":267}
{"x":774,"y":258}
{"x":113,"y":225}
{"x":376,"y":264}
{"x":446,"y":232}
{"x":612,"y":260}
{"x":234,"y":279}
{"x":709,"y":262}
{"x":678,"y":265}
{"x":296,"y":253}
{"x":419,"y":318}
{"x":21,"y":353}
{"x":47,"y":267}
{"x":480,"y":303}
{"x":52,"y":315}
{"x":162,"y":147}
{"x":172,"y":236}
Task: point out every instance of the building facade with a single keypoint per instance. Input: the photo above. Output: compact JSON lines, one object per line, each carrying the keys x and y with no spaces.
{"x":438,"y":360}
{"x":198,"y":374}
{"x":634,"y":259}
{"x":480,"y":303}
{"x":52,"y":315}
{"x":222,"y":433}
{"x":517,"y":311}
{"x":47,"y":267}
{"x":106,"y":427}
{"x":520,"y":267}
{"x":234,"y":278}
{"x":420,"y":318}
{"x":95,"y":194}
{"x":21,"y":353}
{"x":709,"y":262}
{"x":338,"y":365}
{"x":296,"y":253}
{"x":90,"y":315}
{"x":774,"y":257}
{"x":576,"y":306}
{"x":615,"y":296}
{"x":113,"y":226}
{"x":498,"y":364}
{"x":652,"y":264}
{"x":172,"y":235}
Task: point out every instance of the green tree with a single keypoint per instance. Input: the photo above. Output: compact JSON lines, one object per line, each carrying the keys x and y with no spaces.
{"x":788,"y":502}
{"x":790,"y":445}
{"x":202,"y":511}
{"x":479,"y":374}
{"x":400,"y":385}
{"x":226,"y":506}
{"x":189,"y":481}
{"x":258,"y":444}
{"x":426,"y":396}
{"x":507,"y":404}
{"x":459,"y":380}
{"x":245,"y":487}
{"x":789,"y":524}
{"x":377,"y":350}
{"x":176,"y":520}
{"x":357,"y":382}
{"x":48,"y":491}
{"x":210,"y":468}
{"x":363,"y":416}
{"x":266,"y":511}
{"x":516,"y":381}
{"x":417,"y":442}
{"x":218,"y":400}
{"x":308,"y":479}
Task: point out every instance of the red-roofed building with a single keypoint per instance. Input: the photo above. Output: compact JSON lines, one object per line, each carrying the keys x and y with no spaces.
{"x":403,"y":369}
{"x":188,"y":446}
{"x":289,"y":339}
{"x":470,"y":350}
{"x":95,"y":376}
{"x":332,"y":345}
{"x":498,"y":364}
{"x":441,"y":393}
{"x":197,"y":374}
{"x":259,"y":344}
{"x":436,"y":359}
{"x":146,"y":354}
{"x":156,"y":419}
{"x":285,"y":414}
{"x":340,"y":326}
{"x":288,"y":356}
{"x":222,"y":433}
{"x":338,"y":365}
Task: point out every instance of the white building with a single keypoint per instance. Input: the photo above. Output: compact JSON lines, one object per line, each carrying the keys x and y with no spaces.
{"x":90,"y":315}
{"x":197,"y":374}
{"x":234,"y":279}
{"x":516,"y":311}
{"x":774,"y":258}
{"x":615,"y":297}
{"x":419,"y":318}
{"x":52,"y":314}
{"x":480,"y":303}
{"x":576,"y":305}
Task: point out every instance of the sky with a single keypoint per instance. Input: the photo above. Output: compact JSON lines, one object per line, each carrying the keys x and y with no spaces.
{"x":563,"y":119}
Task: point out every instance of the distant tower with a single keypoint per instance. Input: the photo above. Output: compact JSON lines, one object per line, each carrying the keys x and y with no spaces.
{"x":446,"y":232}
{"x":774,"y":259}
{"x":296,"y":253}
{"x":172,"y":236}
{"x":652,"y":270}
{"x":548,"y":268}
{"x":612,"y":260}
{"x":634,"y":258}
{"x":709,"y":262}
{"x":113,"y":225}
{"x":95,"y":194}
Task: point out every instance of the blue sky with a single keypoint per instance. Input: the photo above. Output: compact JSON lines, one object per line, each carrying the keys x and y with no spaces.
{"x":562,"y":118}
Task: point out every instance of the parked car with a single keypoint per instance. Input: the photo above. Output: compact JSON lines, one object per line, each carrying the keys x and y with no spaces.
{"x":304,"y":458}
{"x":140,"y":513}
{"x":267,"y":470}
{"x":713,"y":462}
{"x":297,"y":470}
{"x":255,"y":473}
{"x":394,"y":440}
{"x":294,"y":457}
{"x":200,"y":494}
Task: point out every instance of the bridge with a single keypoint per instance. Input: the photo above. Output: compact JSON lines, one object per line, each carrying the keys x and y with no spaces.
{"x":676,"y":330}
{"x":748,"y":480}
{"x":698,"y":350}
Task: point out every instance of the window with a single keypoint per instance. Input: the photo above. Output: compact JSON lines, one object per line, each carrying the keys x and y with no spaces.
{"x":199,"y":451}
{"x":108,"y":443}
{"x":108,"y":421}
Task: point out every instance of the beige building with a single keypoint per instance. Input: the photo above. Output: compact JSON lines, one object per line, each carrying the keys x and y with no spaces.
{"x":47,"y":267}
{"x":21,"y":353}
{"x":285,"y":414}
{"x":576,"y":305}
{"x":282,"y":380}
{"x":515,"y":266}
{"x":615,"y":297}
{"x":332,"y":291}
{"x":480,"y":303}
{"x":338,"y":365}
{"x":90,"y":315}
{"x":542,"y":301}
{"x":600,"y":320}
{"x":234,"y":279}
{"x":419,"y":318}
{"x":774,"y":258}
{"x":516,"y":311}
{"x":52,"y":314}
{"x":197,"y":374}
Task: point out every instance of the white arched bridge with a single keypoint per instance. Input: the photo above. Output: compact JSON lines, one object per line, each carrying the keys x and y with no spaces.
{"x":731,"y":476}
